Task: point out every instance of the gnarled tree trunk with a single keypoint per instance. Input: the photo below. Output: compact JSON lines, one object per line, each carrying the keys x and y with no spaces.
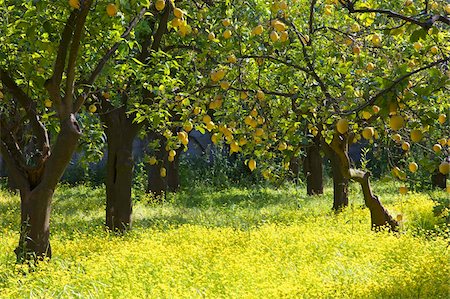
{"x":380,"y":217}
{"x":37,"y":185}
{"x":312,"y":169}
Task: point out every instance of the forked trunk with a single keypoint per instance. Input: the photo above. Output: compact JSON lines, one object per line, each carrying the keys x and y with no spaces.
{"x":312,"y":169}
{"x":380,"y":217}
{"x":36,"y":192}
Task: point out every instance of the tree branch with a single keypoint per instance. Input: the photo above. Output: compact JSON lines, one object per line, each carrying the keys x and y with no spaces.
{"x":101,"y":64}
{"x":30,"y":109}
{"x":349,"y":5}
{"x":162,"y":28}
{"x":373,"y":99}
{"x":73,"y":54}
{"x":53,"y":84}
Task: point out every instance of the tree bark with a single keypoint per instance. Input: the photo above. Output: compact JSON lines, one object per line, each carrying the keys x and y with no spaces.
{"x":36,"y":186}
{"x":120,"y":131}
{"x":156,"y":184}
{"x":380,"y":217}
{"x":340,"y":183}
{"x":294,"y":168}
{"x":438,"y":180}
{"x":312,"y":169}
{"x":173,"y":173}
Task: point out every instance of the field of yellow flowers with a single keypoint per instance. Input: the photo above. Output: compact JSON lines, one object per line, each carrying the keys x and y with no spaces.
{"x":232,"y":243}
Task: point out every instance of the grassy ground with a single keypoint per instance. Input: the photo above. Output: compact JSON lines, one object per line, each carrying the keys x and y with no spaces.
{"x":232,"y":243}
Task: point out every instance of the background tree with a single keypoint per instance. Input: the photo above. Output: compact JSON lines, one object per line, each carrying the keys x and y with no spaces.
{"x":347,"y":69}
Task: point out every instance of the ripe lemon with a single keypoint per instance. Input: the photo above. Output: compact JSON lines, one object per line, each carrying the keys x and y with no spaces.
{"x":416,"y":135}
{"x":413,"y":167}
{"x":376,"y":40}
{"x":160,"y":5}
{"x":370,"y":66}
{"x":375,"y":109}
{"x":434,"y":50}
{"x":274,"y":37}
{"x":178,"y":13}
{"x":258,"y":30}
{"x":188,"y":126}
{"x":355,"y":27}
{"x":152,"y":160}
{"x":234,"y":147}
{"x":284,"y":36}
{"x":252,"y":164}
{"x":279,"y":26}
{"x":444,"y":168}
{"x":342,"y":126}
{"x":74,"y":4}
{"x":260,"y":95}
{"x":163,"y":172}
{"x":206,"y":119}
{"x":368,"y":132}
{"x":442,"y":118}
{"x":282,"y":146}
{"x":227,"y":34}
{"x":403,"y":190}
{"x":396,"y":122}
{"x":366,"y":115}
{"x":231,"y":59}
{"x":418,"y":46}
{"x":406,"y":146}
{"x":111,"y":9}
{"x":210,"y":126}
{"x":437,"y":148}
{"x":397,"y":137}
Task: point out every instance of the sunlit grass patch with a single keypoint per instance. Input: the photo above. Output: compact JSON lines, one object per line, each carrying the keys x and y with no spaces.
{"x":236,"y":243}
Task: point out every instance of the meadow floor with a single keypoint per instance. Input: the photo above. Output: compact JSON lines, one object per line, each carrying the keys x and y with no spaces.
{"x":232,"y":243}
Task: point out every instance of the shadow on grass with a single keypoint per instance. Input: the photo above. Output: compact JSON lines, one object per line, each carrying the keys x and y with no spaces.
{"x":258,"y":197}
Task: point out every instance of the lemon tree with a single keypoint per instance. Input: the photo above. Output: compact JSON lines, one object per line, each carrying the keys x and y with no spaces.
{"x":49,"y":64}
{"x":340,"y":70}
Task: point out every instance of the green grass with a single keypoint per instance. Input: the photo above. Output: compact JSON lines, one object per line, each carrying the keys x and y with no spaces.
{"x":232,"y":243}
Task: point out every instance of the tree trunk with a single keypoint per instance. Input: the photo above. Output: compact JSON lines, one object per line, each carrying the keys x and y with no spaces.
{"x":120,"y":132}
{"x":119,"y":182}
{"x":156,"y":184}
{"x":438,"y":180}
{"x":380,"y":217}
{"x":36,"y":186}
{"x":173,"y":173}
{"x":34,"y":242}
{"x":294,"y":168}
{"x":340,"y":183}
{"x":312,"y":169}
